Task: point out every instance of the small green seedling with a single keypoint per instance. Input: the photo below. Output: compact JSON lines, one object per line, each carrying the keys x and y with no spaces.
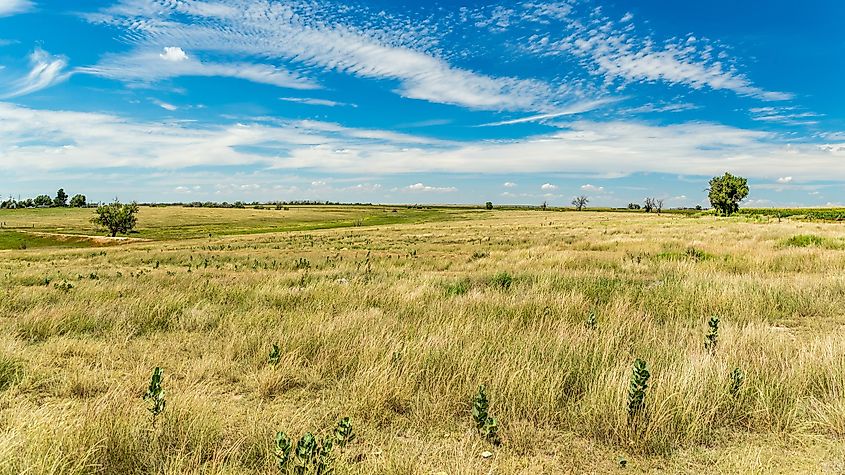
{"x":737,"y":378}
{"x":636,"y":392}
{"x":591,"y":321}
{"x":487,"y":426}
{"x":343,"y":433}
{"x":275,"y":355}
{"x":310,"y":454}
{"x":712,"y":335}
{"x":282,"y":451}
{"x":155,"y":394}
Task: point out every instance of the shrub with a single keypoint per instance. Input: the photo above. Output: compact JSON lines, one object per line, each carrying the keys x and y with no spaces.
{"x":275,"y":355}
{"x":712,"y":336}
{"x":502,"y":280}
{"x":737,"y":378}
{"x":488,"y":205}
{"x":459,"y":287}
{"x":637,"y":389}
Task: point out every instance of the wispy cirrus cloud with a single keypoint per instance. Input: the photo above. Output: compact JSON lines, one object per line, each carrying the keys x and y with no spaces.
{"x":46,"y":70}
{"x":574,"y":109}
{"x":146,"y":67}
{"x":315,"y":102}
{"x":787,"y":115}
{"x":311,"y":36}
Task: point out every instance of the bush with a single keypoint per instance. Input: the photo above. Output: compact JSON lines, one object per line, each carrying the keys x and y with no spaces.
{"x":502,"y":280}
{"x":78,"y":201}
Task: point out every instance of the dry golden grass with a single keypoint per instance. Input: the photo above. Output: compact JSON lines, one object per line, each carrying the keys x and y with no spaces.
{"x":396,"y":326}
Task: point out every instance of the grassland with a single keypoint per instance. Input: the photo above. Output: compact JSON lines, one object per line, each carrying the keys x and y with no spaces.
{"x":59,"y":227}
{"x":396,"y":325}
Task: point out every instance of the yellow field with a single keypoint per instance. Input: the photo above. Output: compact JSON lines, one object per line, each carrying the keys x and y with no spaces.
{"x":396,"y":326}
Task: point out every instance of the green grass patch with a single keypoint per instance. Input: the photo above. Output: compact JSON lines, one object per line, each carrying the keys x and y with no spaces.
{"x":22,"y":241}
{"x":804,"y":240}
{"x":11,"y":372}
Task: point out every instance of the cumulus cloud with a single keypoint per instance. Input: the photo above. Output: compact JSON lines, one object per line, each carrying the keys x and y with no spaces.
{"x":173,"y":53}
{"x":509,"y":184}
{"x":548,"y":187}
{"x":589,"y":187}
{"x":46,"y":70}
{"x":785,"y":179}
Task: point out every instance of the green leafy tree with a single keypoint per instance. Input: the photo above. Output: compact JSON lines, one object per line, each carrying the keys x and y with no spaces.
{"x":726,"y":192}
{"x":488,"y":205}
{"x":116,"y":217}
{"x":42,"y":200}
{"x":61,"y":198}
{"x":78,"y":201}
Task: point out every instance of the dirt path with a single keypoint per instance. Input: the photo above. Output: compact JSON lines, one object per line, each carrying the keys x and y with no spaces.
{"x":99,"y":240}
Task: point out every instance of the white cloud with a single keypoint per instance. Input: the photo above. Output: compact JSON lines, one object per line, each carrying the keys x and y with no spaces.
{"x":787,"y":115}
{"x":13,"y":7}
{"x":145,"y":67}
{"x":627,"y":17}
{"x":173,"y":53}
{"x":47,"y":70}
{"x":654,"y":108}
{"x":577,"y":108}
{"x":509,"y":184}
{"x":614,"y":51}
{"x":785,"y":179}
{"x":589,"y":187}
{"x":315,"y":102}
{"x":419,"y":187}
{"x":548,"y":187}
{"x":63,"y":140}
{"x":291,"y":32}
{"x":165,"y":105}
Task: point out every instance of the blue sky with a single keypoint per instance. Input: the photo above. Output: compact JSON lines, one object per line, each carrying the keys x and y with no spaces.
{"x":422,"y":102}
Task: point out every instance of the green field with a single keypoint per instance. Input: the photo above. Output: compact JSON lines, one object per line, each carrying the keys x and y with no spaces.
{"x":163,"y":223}
{"x":395,"y":319}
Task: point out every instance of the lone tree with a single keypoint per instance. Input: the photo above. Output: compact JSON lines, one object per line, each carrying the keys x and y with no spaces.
{"x":726,"y":192}
{"x":579,"y":202}
{"x":61,"y":198}
{"x":116,"y":217}
{"x":78,"y":201}
{"x":658,"y":205}
{"x":488,"y":205}
{"x":649,"y":205}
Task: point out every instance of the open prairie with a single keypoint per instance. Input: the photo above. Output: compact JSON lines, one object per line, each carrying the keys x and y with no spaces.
{"x":395,"y":319}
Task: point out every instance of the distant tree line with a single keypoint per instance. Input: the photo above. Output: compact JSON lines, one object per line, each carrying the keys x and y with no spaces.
{"x":45,"y":201}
